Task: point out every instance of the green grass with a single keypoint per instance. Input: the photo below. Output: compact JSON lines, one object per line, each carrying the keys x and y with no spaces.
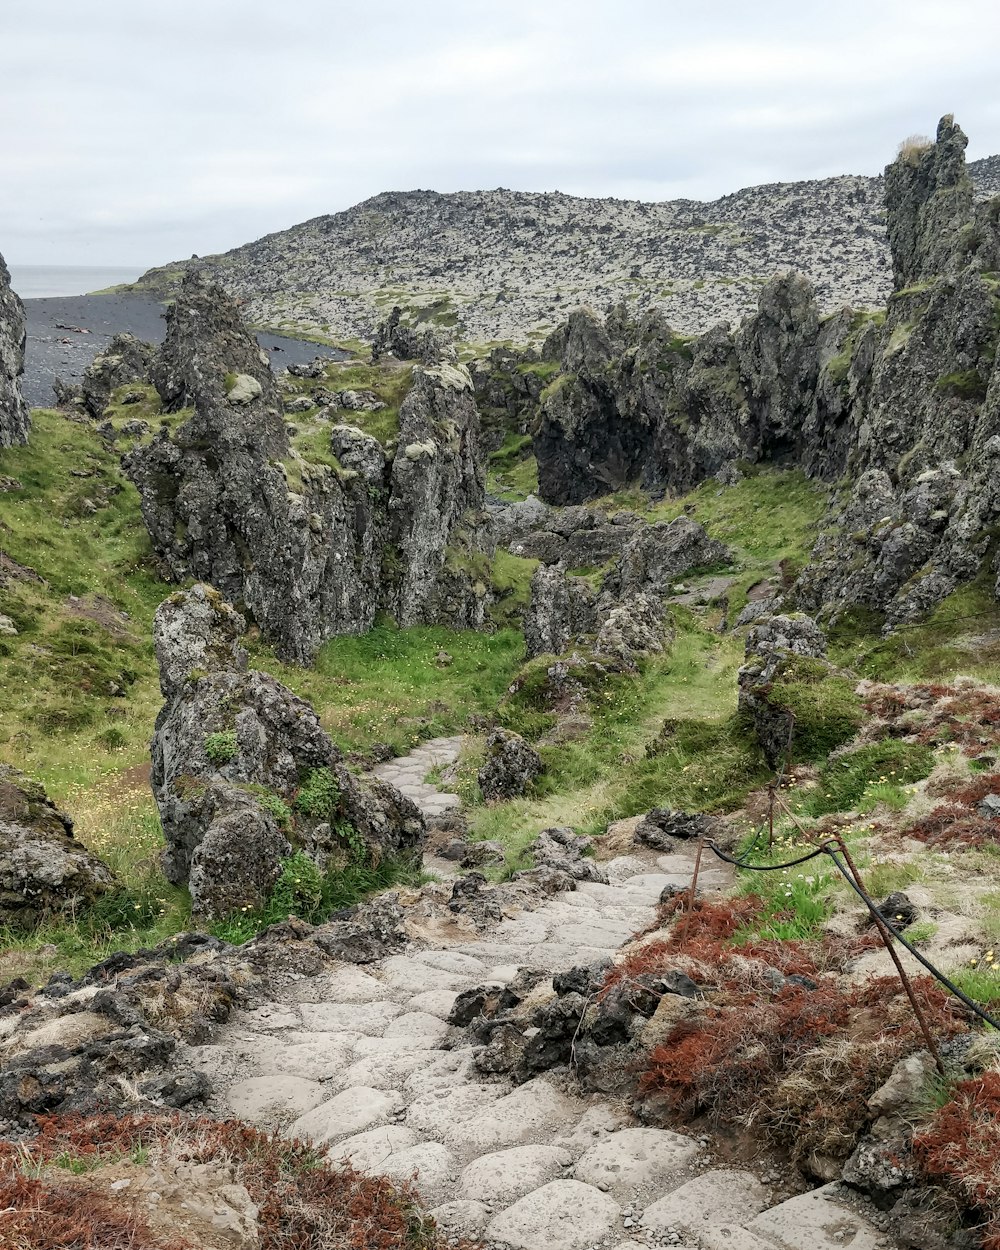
{"x":861,"y":779}
{"x":389,"y":381}
{"x":958,"y":637}
{"x":303,"y":891}
{"x":666,"y":735}
{"x":386,"y":685}
{"x":512,"y":472}
{"x":826,"y":709}
{"x":982,"y":983}
{"x":511,"y":579}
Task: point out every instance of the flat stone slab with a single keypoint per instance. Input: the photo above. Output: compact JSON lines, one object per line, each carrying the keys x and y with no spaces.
{"x":452,"y":961}
{"x":435,"y":1002}
{"x":716,"y":1197}
{"x":404,"y":973}
{"x":348,"y":984}
{"x":415,"y":1024}
{"x":820,"y":1220}
{"x":535,"y":1109}
{"x":368,"y":1018}
{"x":264,"y":1099}
{"x":320,"y":1060}
{"x":346,"y":1114}
{"x":636,"y":1156}
{"x":506,"y":1175}
{"x":385,"y":1072}
{"x":370,"y":1149}
{"x":437,"y":1112}
{"x":428,"y":1165}
{"x":563,"y":1215}
{"x":462,"y":1216}
{"x":730,"y":1237}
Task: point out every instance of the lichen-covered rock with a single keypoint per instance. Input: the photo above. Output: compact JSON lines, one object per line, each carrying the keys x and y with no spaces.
{"x":561,"y":848}
{"x":632,"y":629}
{"x":801,"y":706}
{"x":308,"y":550}
{"x":510,"y":766}
{"x":437,"y":510}
{"x":15,"y":417}
{"x":243,"y":773}
{"x":393,"y":338}
{"x":44,"y":871}
{"x":657,"y":555}
{"x":125,"y":359}
{"x":560,"y":610}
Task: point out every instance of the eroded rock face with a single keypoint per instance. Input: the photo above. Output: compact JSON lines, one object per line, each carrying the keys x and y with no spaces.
{"x":15,"y":418}
{"x":560,"y":610}
{"x":310,"y":552}
{"x":510,"y":766}
{"x":243,"y":773}
{"x":44,"y":871}
{"x":657,"y":555}
{"x":125,"y":359}
{"x":428,"y":346}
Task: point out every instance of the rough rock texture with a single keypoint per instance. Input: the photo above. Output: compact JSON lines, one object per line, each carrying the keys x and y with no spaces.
{"x":308,"y":551}
{"x":770,"y":648}
{"x":562,"y":849}
{"x":505,"y":261}
{"x":657,"y":555}
{"x":437,"y":516}
{"x":125,"y":359}
{"x":394,"y":338}
{"x":902,"y":406}
{"x":561,"y":609}
{"x":15,"y":419}
{"x":510,"y":766}
{"x":232,"y":751}
{"x":44,"y":871}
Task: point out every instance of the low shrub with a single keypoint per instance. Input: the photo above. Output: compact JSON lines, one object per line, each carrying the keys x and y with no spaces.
{"x":846,"y":782}
{"x":221,"y":747}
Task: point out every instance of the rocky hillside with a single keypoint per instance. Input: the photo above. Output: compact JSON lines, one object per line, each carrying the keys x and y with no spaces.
{"x":506,"y":265}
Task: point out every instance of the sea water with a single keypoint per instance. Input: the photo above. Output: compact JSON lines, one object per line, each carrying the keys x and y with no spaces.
{"x":46,"y":281}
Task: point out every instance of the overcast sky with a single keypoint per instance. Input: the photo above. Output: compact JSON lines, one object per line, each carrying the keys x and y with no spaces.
{"x":135,"y":133}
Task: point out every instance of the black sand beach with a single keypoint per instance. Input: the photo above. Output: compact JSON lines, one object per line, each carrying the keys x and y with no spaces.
{"x":56,"y":348}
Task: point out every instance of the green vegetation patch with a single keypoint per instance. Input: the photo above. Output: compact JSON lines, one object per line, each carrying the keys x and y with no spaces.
{"x":858,"y":780}
{"x":964,"y":384}
{"x":389,"y":686}
{"x":826,"y":709}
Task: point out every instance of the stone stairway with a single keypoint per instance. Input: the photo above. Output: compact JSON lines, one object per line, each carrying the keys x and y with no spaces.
{"x":409,"y":774}
{"x":361,"y":1063}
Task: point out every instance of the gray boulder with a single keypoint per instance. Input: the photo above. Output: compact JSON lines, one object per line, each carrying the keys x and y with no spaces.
{"x":125,"y":359}
{"x":45,"y":873}
{"x":632,"y":629}
{"x":243,"y":774}
{"x":510,"y":766}
{"x":562,"y":849}
{"x":561,"y":609}
{"x":405,"y":342}
{"x":655,"y":556}
{"x":15,"y":418}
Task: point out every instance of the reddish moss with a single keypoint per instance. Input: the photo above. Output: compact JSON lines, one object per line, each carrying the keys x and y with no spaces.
{"x":961,"y":1149}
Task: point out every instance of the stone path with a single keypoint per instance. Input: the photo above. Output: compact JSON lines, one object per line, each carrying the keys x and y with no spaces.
{"x":408,"y":774}
{"x":362,"y":1063}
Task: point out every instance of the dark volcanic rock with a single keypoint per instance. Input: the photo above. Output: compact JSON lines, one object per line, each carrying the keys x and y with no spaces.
{"x":310,"y":552}
{"x":393,"y":338}
{"x":44,"y":872}
{"x":125,"y":359}
{"x":510,"y":766}
{"x":15,"y":419}
{"x":234,"y":754}
{"x":657,"y":555}
{"x":561,"y":609}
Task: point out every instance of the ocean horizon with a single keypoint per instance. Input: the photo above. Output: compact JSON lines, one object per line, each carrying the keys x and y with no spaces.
{"x":50,"y":281}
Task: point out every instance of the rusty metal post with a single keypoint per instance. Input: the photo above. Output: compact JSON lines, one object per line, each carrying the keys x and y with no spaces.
{"x":692,"y":889}
{"x":770,"y":817}
{"x":885,"y":933}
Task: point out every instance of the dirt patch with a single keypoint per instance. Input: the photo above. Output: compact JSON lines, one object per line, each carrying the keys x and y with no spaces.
{"x":100,"y":610}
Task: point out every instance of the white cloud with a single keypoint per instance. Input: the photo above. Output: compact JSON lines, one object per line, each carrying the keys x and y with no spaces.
{"x":135,"y":134}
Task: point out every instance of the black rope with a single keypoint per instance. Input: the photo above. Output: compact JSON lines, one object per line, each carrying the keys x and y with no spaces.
{"x":873,"y":908}
{"x":739,"y":863}
{"x":938,"y":975}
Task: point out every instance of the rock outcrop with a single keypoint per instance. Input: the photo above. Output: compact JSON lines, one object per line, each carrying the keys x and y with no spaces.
{"x":310,"y":551}
{"x":904,"y":404}
{"x":510,"y":766}
{"x":243,"y":775}
{"x":395,"y":338}
{"x":45,"y":873}
{"x":125,"y":359}
{"x":15,"y":419}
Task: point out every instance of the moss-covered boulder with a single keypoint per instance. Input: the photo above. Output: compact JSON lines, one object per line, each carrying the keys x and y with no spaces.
{"x":44,"y":871}
{"x":801,"y":706}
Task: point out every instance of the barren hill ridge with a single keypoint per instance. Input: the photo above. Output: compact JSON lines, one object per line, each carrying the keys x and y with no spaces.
{"x":506,"y":265}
